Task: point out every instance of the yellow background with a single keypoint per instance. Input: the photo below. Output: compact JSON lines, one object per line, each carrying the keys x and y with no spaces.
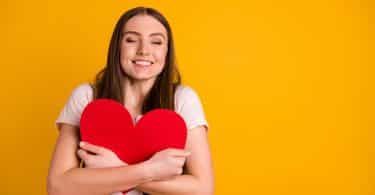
{"x":287,"y":87}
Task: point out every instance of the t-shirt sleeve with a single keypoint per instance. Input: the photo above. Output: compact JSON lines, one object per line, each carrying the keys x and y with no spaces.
{"x":72,"y":110}
{"x":189,"y":106}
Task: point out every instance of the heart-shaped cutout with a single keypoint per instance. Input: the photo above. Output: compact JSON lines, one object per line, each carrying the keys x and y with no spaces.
{"x":107,"y":123}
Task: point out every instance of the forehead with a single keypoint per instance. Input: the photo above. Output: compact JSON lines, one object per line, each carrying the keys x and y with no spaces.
{"x":144,"y":24}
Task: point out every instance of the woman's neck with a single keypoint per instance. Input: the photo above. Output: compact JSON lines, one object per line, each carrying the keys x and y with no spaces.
{"x":135,"y":92}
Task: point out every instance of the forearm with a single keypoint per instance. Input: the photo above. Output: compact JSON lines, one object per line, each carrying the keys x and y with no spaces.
{"x":98,"y":181}
{"x":179,"y":185}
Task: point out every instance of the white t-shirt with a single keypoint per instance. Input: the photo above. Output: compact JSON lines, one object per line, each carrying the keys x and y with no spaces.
{"x":187,"y":105}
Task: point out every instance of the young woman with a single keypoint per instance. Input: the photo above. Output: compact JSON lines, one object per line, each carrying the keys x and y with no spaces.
{"x":141,"y":74}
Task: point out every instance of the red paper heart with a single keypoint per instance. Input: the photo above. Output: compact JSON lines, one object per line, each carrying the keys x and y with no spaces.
{"x":107,"y":123}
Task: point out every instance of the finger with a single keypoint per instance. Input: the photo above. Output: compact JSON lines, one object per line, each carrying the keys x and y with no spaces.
{"x":180,"y":161}
{"x":83,"y":155}
{"x":178,"y":152}
{"x":92,"y":148}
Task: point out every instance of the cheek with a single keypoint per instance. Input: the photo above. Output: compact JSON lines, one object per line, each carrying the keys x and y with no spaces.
{"x":161,"y":56}
{"x":126,"y":53}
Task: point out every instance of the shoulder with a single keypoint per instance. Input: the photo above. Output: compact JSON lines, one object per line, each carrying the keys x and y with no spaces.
{"x":79,"y":98}
{"x":82,"y":94}
{"x":186,"y":99}
{"x":83,"y":90}
{"x":184,"y":92}
{"x":189,"y":106}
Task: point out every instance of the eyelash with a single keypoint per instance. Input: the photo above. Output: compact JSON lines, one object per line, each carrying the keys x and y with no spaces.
{"x":130,"y":40}
{"x":155,"y":42}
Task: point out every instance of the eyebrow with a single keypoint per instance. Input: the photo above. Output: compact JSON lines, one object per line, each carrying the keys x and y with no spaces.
{"x":137,"y":33}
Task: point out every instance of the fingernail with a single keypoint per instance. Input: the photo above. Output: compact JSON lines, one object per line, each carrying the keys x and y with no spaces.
{"x":82,"y":143}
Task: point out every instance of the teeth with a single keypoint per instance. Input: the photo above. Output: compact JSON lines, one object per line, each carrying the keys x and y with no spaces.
{"x":141,"y":62}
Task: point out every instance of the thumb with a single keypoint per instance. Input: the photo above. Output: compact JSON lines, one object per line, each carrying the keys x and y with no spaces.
{"x":181,"y":153}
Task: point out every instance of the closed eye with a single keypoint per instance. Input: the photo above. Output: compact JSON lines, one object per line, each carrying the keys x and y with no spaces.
{"x":130,"y":40}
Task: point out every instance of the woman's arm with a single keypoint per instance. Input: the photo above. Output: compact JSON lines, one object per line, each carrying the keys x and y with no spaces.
{"x":65,"y":176}
{"x":199,"y":173}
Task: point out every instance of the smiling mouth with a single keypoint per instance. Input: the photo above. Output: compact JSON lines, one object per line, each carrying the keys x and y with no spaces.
{"x":142,"y":62}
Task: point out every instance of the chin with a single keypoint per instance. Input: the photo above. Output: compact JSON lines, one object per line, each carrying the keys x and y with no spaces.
{"x":142,"y":77}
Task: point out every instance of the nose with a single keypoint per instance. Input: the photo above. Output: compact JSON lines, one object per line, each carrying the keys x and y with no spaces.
{"x":143,"y":49}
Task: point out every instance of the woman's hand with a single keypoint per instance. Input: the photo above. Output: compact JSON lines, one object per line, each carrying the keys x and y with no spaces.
{"x":98,"y":157}
{"x":167,"y":163}
{"x":163,"y":165}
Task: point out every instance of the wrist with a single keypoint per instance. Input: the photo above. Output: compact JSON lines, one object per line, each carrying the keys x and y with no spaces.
{"x":147,"y":170}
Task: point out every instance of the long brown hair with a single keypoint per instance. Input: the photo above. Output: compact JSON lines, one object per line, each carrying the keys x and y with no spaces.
{"x":108,"y":82}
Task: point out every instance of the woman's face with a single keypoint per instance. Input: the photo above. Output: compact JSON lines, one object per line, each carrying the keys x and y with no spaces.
{"x":144,"y":47}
